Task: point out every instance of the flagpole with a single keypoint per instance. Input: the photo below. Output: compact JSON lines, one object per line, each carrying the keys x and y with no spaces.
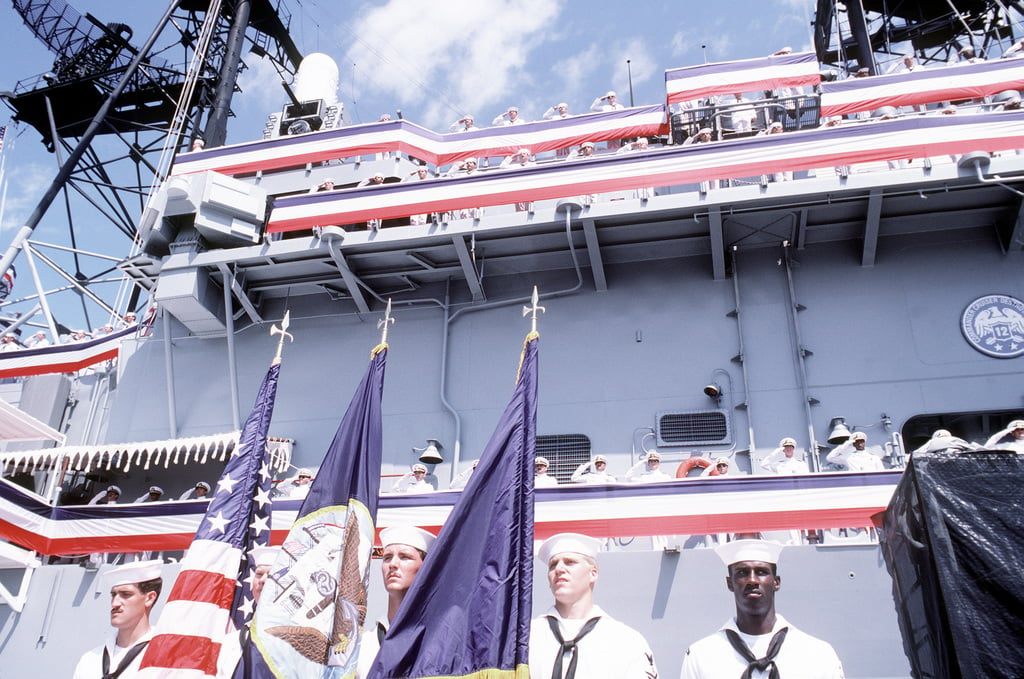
{"x":283,"y":332}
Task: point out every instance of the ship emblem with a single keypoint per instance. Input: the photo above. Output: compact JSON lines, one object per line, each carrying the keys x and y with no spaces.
{"x":994,"y":325}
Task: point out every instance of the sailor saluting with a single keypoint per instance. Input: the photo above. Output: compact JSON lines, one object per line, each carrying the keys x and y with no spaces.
{"x":758,"y":642}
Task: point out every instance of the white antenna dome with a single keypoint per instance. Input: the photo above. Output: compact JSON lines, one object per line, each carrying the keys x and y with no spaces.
{"x":317,"y":78}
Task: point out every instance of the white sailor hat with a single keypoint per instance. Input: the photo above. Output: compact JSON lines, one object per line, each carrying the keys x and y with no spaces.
{"x":265,"y":555}
{"x":611,"y":93}
{"x":114,"y":489}
{"x":858,"y":436}
{"x":722,"y":460}
{"x":748,"y":550}
{"x":419,"y":467}
{"x":1017,"y":424}
{"x":513,"y":108}
{"x":203,"y":484}
{"x":304,"y":471}
{"x":653,"y":455}
{"x":568,"y":542}
{"x":562,"y":104}
{"x":586,"y":144}
{"x":407,"y":535}
{"x":541,"y":460}
{"x":788,"y":441}
{"x":156,"y":489}
{"x":133,"y":573}
{"x":942,"y":433}
{"x":600,"y":458}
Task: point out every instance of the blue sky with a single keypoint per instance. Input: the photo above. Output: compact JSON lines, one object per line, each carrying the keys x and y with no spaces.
{"x":436,"y":61}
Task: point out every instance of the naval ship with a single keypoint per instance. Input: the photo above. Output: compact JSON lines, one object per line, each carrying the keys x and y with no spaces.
{"x":826,"y":255}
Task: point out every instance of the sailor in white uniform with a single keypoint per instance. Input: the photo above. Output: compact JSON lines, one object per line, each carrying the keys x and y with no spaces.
{"x":575,"y":639}
{"x":1015,"y":430}
{"x":758,"y":643}
{"x":405,"y":547}
{"x":134,"y":589}
{"x":541,"y":478}
{"x":647,"y":470}
{"x":783,"y":460}
{"x":593,"y":472}
{"x":413,"y":482}
{"x":854,"y":456}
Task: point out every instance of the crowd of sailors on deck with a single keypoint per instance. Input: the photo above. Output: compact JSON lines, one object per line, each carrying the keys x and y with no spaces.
{"x":694,"y":122}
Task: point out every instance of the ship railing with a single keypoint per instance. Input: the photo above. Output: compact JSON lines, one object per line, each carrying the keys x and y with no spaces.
{"x":882,"y":141}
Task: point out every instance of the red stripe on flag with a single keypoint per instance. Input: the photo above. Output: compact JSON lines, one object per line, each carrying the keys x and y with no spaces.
{"x":183,"y":652}
{"x":205,"y":587}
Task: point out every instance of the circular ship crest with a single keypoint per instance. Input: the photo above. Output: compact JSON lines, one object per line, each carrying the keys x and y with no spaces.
{"x":994,"y":325}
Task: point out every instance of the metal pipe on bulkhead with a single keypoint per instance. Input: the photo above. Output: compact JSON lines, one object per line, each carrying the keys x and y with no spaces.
{"x":229,"y":322}
{"x":494,"y":305}
{"x":801,"y":354}
{"x":740,"y":357}
{"x":172,"y":412}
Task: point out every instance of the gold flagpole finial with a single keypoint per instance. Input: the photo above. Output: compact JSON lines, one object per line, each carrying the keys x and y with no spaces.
{"x":383,"y":323}
{"x":533,"y":309}
{"x":283,"y":332}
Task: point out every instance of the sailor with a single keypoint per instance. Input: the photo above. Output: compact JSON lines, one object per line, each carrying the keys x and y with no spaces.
{"x":943,"y":439}
{"x":107,"y":497}
{"x":509,"y":117}
{"x":9,"y":343}
{"x":152,"y":495}
{"x":854,"y":457}
{"x":647,"y":470}
{"x":557,"y":112}
{"x":413,"y":482}
{"x":1015,"y":430}
{"x":586,"y":150}
{"x":197,"y":492}
{"x":783,"y":459}
{"x":405,"y":548}
{"x":520,"y":158}
{"x":37,"y":340}
{"x":231,"y":645}
{"x":541,"y":478}
{"x":593,"y":472}
{"x":300,"y":487}
{"x":606,"y":102}
{"x":463,"y":124}
{"x":325,"y":185}
{"x":758,"y":642}
{"x":720,"y":468}
{"x":134,"y":589}
{"x":575,"y":639}
{"x":460,"y":481}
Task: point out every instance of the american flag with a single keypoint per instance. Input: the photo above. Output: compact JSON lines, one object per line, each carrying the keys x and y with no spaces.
{"x":212,"y":596}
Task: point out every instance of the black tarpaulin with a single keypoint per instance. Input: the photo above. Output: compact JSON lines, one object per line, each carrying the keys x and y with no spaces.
{"x":953,"y":541}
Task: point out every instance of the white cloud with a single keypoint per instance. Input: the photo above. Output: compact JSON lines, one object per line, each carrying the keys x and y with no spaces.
{"x":447,"y":58}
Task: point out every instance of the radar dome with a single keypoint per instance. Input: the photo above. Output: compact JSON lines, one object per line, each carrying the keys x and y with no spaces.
{"x":317,"y":78}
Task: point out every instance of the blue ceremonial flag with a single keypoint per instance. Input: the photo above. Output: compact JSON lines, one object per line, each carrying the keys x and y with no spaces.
{"x":309,"y":620}
{"x":213,"y":586}
{"x":467,"y":613}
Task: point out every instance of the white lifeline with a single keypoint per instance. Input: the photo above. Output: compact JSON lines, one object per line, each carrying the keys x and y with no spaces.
{"x":612,"y":650}
{"x":801,"y":656}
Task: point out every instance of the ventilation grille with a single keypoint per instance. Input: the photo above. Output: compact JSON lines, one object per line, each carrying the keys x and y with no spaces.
{"x":564,"y":452}
{"x":696,"y":427}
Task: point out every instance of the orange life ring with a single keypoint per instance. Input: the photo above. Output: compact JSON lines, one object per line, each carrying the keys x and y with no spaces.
{"x":683,"y":470}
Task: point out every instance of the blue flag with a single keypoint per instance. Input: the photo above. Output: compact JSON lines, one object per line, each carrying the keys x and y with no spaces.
{"x":467,"y":613}
{"x":213,"y":586}
{"x":309,"y":619}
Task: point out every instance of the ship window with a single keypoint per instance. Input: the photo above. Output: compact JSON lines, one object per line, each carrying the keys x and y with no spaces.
{"x":697,"y":427}
{"x":974,"y":427}
{"x":564,"y":452}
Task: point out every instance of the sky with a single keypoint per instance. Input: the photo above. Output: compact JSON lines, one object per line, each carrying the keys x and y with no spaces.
{"x":436,"y":61}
